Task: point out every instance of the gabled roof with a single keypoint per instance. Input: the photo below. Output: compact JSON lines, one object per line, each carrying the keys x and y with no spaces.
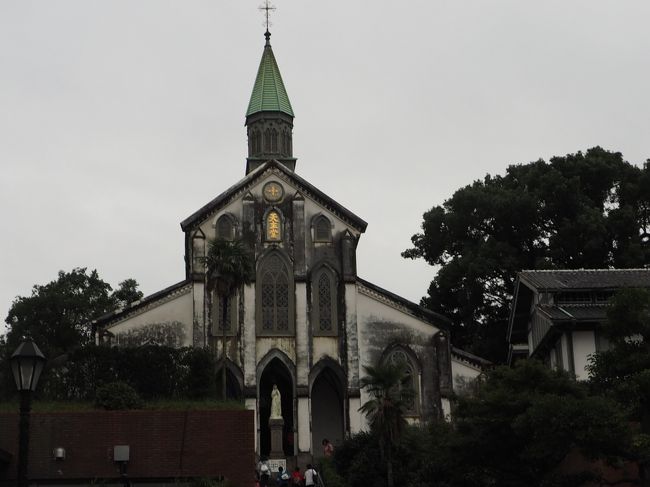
{"x":416,"y":310}
{"x":269,"y":93}
{"x":141,"y":303}
{"x":307,"y":189}
{"x":567,"y":279}
{"x":470,"y":358}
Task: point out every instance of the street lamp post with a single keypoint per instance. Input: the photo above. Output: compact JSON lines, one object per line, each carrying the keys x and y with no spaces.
{"x":27,"y":363}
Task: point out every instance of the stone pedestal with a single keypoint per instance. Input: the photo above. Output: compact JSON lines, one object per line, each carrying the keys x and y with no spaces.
{"x":277,"y":434}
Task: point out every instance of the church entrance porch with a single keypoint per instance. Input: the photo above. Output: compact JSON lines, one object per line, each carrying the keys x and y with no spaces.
{"x":326,"y":410}
{"x":276,"y":373}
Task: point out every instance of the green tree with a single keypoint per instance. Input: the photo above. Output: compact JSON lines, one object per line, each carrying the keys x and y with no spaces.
{"x":127,"y":292}
{"x":523,"y":423}
{"x":230,"y":265}
{"x":623,"y":371}
{"x":387,"y":385}
{"x":58,"y":315}
{"x":586,"y":210}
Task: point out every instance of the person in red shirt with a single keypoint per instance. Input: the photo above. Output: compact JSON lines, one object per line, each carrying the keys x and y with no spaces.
{"x":297,"y":478}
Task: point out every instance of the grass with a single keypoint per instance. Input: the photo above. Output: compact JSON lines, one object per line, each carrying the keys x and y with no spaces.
{"x":153,"y":405}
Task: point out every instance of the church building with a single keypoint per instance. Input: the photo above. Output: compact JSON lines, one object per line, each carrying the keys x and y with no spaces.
{"x":308,"y":323}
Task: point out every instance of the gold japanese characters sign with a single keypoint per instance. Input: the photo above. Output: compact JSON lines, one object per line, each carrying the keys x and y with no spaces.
{"x":273,"y":226}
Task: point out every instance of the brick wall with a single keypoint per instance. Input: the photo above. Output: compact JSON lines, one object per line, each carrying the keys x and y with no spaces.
{"x":163,"y":444}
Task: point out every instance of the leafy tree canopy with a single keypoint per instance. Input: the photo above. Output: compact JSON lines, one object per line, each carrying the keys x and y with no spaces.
{"x":525,"y":420}
{"x":57,"y":315}
{"x":586,"y":210}
{"x":517,"y":430}
{"x":622,"y":371}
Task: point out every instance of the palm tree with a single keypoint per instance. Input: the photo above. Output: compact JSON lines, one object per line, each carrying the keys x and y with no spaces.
{"x":387,"y":385}
{"x":230,"y":266}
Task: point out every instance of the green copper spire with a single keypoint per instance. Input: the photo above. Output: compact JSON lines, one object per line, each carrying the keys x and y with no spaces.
{"x":269,"y":94}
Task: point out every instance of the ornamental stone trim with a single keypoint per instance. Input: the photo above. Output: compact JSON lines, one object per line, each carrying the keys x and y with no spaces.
{"x":127,"y":313}
{"x":285,"y":178}
{"x":382,"y":298}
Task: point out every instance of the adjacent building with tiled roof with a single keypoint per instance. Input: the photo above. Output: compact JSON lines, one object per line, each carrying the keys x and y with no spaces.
{"x":556,"y":314}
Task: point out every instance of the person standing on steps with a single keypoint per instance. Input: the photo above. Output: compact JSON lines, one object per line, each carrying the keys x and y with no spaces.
{"x":311,"y":476}
{"x":328,"y":448}
{"x":297,"y":477}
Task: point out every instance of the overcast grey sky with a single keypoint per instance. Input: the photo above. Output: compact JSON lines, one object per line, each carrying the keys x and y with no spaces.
{"x":120,"y":118}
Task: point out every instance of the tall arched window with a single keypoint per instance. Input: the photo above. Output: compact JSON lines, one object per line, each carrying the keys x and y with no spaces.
{"x":409,"y":387}
{"x":225,"y":228}
{"x":322,"y":229}
{"x":285,"y":143}
{"x":324,"y":303}
{"x":257,"y":142}
{"x":275,"y":296}
{"x":267,"y":140}
{"x":274,"y":141}
{"x":217,"y":315}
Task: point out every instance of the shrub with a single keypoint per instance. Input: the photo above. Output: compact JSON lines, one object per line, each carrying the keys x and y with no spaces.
{"x":117,"y":395}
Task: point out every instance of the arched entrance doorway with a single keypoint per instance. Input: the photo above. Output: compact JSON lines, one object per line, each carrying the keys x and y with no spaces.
{"x":326,"y":410}
{"x":277,"y":373}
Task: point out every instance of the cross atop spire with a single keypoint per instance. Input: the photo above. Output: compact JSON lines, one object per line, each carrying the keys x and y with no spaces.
{"x":267,"y":7}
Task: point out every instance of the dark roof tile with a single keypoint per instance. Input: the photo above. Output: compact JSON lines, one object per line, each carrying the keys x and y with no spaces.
{"x":558,"y":280}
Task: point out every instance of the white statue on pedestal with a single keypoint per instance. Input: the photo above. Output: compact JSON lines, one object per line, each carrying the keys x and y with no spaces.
{"x":276,"y":403}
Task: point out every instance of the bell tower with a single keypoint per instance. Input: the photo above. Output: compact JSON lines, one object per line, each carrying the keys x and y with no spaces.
{"x":269,"y":118}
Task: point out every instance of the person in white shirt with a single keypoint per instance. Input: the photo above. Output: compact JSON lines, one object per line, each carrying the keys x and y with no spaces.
{"x":311,"y":477}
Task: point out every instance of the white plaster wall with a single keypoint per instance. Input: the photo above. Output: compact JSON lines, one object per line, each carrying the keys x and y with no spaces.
{"x":264,"y":345}
{"x":357,"y":420}
{"x":312,"y":209}
{"x":199,"y":316}
{"x":248,"y":337}
{"x":584,"y":344}
{"x":209,"y":226}
{"x":353,"y":351}
{"x":302,"y":335}
{"x":371,"y":309}
{"x":564,"y":345}
{"x":251,"y":403}
{"x":177,"y":309}
{"x":462,"y":373}
{"x":325,"y":347}
{"x":304,"y":425}
{"x":446,"y":409}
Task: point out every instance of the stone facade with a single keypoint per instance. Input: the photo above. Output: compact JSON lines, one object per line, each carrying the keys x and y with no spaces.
{"x":307,"y":323}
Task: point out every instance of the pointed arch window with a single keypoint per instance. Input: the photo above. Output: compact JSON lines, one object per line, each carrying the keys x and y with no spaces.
{"x":324,"y":303}
{"x":409,"y":387}
{"x":275,"y":295}
{"x":322,"y":229}
{"x":225,"y":228}
{"x":274,"y":140}
{"x":257,"y":142}
{"x":273,"y":226}
{"x":217,"y":315}
{"x":285,"y":143}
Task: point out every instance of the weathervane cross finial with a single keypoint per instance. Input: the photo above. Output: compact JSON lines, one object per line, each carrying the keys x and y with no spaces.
{"x":267,"y":7}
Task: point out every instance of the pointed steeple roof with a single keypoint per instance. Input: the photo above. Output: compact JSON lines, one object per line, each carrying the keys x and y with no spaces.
{"x":269,"y":93}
